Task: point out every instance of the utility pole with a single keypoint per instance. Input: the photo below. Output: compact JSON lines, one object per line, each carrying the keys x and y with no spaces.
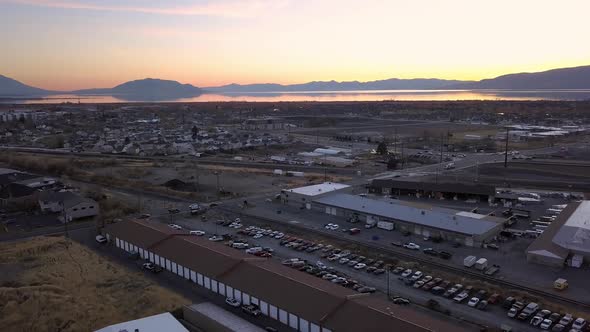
{"x":506,"y":149}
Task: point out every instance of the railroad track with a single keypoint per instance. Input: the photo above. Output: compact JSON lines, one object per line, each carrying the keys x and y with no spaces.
{"x":432,"y":263}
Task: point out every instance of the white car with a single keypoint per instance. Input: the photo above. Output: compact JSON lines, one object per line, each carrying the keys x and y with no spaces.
{"x":546,"y":324}
{"x":459,"y":298}
{"x":197,"y":233}
{"x":417,"y":275}
{"x":406,"y":273}
{"x":101,"y":239}
{"x":175,"y":226}
{"x":579,"y":324}
{"x":360,"y":266}
{"x":473,"y":302}
{"x":412,"y":246}
{"x":233,"y":302}
{"x":216,"y":238}
{"x":257,"y":236}
{"x":279,"y":236}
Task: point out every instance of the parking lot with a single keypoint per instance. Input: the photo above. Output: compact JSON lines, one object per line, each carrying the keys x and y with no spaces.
{"x":318,"y":258}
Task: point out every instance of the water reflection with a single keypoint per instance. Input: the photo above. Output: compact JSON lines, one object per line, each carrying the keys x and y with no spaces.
{"x":380,"y":95}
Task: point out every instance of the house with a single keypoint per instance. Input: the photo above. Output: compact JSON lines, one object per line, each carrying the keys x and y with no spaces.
{"x":73,"y":205}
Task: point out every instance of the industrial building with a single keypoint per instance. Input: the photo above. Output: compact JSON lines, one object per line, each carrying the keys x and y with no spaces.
{"x":296,"y":299}
{"x":467,"y":228}
{"x":303,"y":196}
{"x":74,"y":205}
{"x":459,"y":191}
{"x":567,"y":239}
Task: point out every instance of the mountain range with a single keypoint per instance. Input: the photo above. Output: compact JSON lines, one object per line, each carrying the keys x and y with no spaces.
{"x":156,"y":89}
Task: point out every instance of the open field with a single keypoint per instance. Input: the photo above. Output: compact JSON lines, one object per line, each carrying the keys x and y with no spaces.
{"x":50,"y":284}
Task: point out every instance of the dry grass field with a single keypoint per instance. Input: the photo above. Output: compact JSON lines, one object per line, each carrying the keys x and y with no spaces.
{"x":48,"y":284}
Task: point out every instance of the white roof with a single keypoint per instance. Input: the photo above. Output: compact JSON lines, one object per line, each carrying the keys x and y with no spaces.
{"x":580,"y":217}
{"x":318,"y":189}
{"x":157,"y":323}
{"x":575,"y":232}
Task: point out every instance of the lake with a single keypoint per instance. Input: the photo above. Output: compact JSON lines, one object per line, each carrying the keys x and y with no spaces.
{"x":373,"y":95}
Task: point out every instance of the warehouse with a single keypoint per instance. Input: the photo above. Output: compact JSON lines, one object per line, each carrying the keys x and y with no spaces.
{"x":460,"y":191}
{"x":296,"y":299}
{"x":467,"y":228}
{"x":303,"y":196}
{"x":568,"y":236}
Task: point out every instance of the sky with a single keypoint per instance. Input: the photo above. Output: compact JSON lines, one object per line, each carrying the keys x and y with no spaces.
{"x":75,"y":44}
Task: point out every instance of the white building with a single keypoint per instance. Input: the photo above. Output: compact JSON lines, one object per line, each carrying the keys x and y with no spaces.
{"x":567,"y":236}
{"x":74,"y":205}
{"x":303,"y":196}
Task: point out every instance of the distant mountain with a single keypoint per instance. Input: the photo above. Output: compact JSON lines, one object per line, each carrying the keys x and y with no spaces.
{"x":389,"y":84}
{"x":564,"y":78}
{"x":13,"y":88}
{"x":146,"y":89}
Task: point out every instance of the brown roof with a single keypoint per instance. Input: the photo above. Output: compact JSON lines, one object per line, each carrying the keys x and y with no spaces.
{"x":309,"y":297}
{"x":200,"y":254}
{"x":140,"y":233}
{"x":545,"y":240}
{"x":373,"y":314}
{"x":291,"y":290}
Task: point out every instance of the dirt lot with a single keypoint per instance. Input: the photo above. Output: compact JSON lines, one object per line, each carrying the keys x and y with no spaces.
{"x":48,"y":284}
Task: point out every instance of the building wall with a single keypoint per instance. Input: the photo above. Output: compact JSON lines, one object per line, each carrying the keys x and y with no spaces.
{"x":544,"y":260}
{"x":409,"y":227}
{"x":208,"y":282}
{"x":48,"y":206}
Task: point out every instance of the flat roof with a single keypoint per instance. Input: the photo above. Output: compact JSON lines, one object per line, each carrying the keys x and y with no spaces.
{"x":580,"y":217}
{"x":318,"y":189}
{"x":224,"y":317}
{"x":156,"y":323}
{"x":416,"y":213}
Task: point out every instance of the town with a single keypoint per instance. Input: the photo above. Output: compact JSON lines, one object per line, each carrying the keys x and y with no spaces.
{"x":431,"y":216}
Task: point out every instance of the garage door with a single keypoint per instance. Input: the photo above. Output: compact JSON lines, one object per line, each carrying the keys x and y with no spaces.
{"x":469,"y":241}
{"x":417,"y":230}
{"x":426,"y":233}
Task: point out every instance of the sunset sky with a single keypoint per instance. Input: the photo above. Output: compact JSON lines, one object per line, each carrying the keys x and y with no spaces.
{"x":74,"y":44}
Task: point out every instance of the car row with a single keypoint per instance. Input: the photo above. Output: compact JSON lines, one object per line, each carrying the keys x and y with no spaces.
{"x":543,"y":318}
{"x":321,"y":270}
{"x":343,"y":257}
{"x":258,"y":232}
{"x":445,"y":288}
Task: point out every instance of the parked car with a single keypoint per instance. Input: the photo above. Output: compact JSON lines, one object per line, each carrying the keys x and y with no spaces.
{"x":251,"y":309}
{"x":401,"y":300}
{"x":461,"y":297}
{"x":412,"y":246}
{"x":430,"y":251}
{"x":445,"y":255}
{"x":101,"y":239}
{"x":508,"y":302}
{"x":579,"y":324}
{"x":398,"y":270}
{"x":494,"y":298}
{"x":197,"y":233}
{"x":233,"y":302}
{"x":417,"y":275}
{"x":152,"y":267}
{"x":173,"y":211}
{"x":482,"y":305}
{"x":406,"y":273}
{"x":473,"y":302}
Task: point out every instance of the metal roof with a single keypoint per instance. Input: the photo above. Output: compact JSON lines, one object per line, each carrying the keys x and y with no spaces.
{"x":420,"y":214}
{"x":318,"y":189}
{"x":460,"y":188}
{"x":575,"y":232}
{"x":155,"y":323}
